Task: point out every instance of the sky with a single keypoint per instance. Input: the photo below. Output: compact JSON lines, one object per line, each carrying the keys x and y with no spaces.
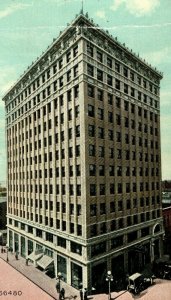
{"x":27,"y":28}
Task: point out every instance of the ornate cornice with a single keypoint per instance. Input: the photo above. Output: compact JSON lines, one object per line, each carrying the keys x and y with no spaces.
{"x":82,"y":25}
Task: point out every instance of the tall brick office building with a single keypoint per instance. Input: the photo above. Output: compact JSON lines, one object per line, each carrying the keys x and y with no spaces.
{"x":84,"y":169}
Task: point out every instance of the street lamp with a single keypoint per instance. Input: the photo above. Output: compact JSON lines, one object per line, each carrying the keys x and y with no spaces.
{"x":59,"y":277}
{"x":109,"y":278}
{"x":7,"y":253}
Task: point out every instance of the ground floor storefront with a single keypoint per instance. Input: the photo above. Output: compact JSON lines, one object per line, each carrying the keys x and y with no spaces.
{"x":90,"y":274}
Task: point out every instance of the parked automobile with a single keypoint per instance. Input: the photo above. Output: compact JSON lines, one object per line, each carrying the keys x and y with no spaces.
{"x":137,"y":283}
{"x":162,"y":268}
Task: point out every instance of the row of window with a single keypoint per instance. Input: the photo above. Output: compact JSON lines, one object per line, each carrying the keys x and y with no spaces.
{"x":101,"y":151}
{"x":100,"y":132}
{"x":95,"y":170}
{"x":72,"y":53}
{"x":121,"y":223}
{"x":101,"y":189}
{"x":100,"y":94}
{"x":125,"y":121}
{"x":119,"y":68}
{"x":122,"y":205}
{"x":48,"y":189}
{"x":71,"y":94}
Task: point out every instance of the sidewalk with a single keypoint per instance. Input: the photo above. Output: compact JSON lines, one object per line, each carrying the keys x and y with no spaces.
{"x":39,"y":278}
{"x":48,"y":284}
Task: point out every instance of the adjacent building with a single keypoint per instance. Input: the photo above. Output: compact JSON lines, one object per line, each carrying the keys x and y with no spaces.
{"x":84,"y":167}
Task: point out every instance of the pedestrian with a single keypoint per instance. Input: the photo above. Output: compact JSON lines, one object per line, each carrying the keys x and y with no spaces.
{"x":26,"y":261}
{"x":62,"y":293}
{"x":81,"y":294}
{"x":16,"y":255}
{"x":58,"y":287}
{"x":85,"y":294}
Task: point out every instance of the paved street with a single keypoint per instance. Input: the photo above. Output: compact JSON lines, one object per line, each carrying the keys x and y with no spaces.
{"x":13,"y":285}
{"x":36,"y":285}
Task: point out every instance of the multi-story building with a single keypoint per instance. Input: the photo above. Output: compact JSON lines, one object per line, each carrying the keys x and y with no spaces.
{"x":84,"y":169}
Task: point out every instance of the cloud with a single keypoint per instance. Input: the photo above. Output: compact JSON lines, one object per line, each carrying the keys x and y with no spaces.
{"x":7,"y":79}
{"x":165,"y":99}
{"x":13,"y":8}
{"x":137,"y":7}
{"x":100,"y":14}
{"x":158,"y":57}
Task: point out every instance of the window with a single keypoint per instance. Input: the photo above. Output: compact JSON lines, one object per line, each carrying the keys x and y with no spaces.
{"x":101,"y":151}
{"x":109,"y":62}
{"x":76,"y":71}
{"x":68,"y":56}
{"x":90,"y":50}
{"x":139,"y":95}
{"x":100,"y":113}
{"x":100,"y":95}
{"x":117,"y":67}
{"x":109,"y":80}
{"x":118,"y":102}
{"x":99,"y":75}
{"x":117,"y":84}
{"x":68,"y":75}
{"x":110,"y":117}
{"x":111,"y":153}
{"x":90,"y":91}
{"x":102,"y":208}
{"x":60,"y":63}
{"x":101,"y":132}
{"x":90,"y":70}
{"x":101,"y":170}
{"x":77,"y":131}
{"x":75,"y":51}
{"x":92,"y":190}
{"x":102,"y":189}
{"x":110,"y":134}
{"x":132,"y":92}
{"x":76,"y":91}
{"x":125,"y":71}
{"x":132,"y":76}
{"x":91,"y":130}
{"x":90,"y":110}
{"x":93,"y":210}
{"x":77,"y":150}
{"x":110,"y":99}
{"x":92,"y":170}
{"x":61,"y":81}
{"x":125,"y":88}
{"x":111,"y":171}
{"x":91,"y":150}
{"x":99,"y":56}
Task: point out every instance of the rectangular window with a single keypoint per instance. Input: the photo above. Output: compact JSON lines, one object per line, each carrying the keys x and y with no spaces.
{"x":99,"y":75}
{"x":109,"y":62}
{"x":90,"y":91}
{"x":99,"y":56}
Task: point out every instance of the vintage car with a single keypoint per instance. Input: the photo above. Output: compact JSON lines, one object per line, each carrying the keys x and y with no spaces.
{"x":137,"y":283}
{"x":162,"y":268}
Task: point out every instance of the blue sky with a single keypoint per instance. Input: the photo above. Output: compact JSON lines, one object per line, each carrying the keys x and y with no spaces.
{"x":27,"y":27}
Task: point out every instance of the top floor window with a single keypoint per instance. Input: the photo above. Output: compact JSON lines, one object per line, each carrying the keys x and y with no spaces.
{"x":75,"y":51}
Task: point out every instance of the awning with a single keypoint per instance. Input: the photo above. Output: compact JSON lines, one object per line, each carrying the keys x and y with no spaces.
{"x":35,"y":256}
{"x":45,"y":262}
